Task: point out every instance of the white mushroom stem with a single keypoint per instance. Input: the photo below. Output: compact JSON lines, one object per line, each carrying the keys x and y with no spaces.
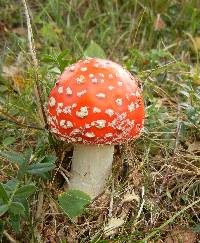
{"x":91,"y":166}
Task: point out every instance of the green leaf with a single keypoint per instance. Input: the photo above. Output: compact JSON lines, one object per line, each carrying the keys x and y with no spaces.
{"x":94,"y":50}
{"x":3,"y":193}
{"x":73,"y":202}
{"x":3,"y":209}
{"x":49,"y":159}
{"x":55,"y":70}
{"x":51,"y":140}
{"x":25,"y":191}
{"x":22,"y":171}
{"x":45,"y":176}
{"x":17,"y":208}
{"x":15,"y":222}
{"x":48,"y":59}
{"x":61,"y":61}
{"x":63,"y":64}
{"x":62,"y":54}
{"x":40,"y":168}
{"x":197,"y":228}
{"x":26,"y":206}
{"x":8,"y":141}
{"x":11,"y":185}
{"x":13,"y":157}
{"x":27,"y":154}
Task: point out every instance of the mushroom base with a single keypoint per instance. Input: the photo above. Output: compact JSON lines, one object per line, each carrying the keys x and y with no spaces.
{"x":91,"y":166}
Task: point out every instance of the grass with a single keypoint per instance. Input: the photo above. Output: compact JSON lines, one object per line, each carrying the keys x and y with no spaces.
{"x":162,"y":166}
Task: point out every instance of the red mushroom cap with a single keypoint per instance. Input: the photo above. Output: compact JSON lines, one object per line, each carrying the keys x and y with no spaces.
{"x":96,"y":101}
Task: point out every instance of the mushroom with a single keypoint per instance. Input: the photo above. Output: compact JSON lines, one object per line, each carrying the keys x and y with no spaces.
{"x":95,"y":104}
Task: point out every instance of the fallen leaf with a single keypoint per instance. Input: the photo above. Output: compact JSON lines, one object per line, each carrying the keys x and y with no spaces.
{"x":19,"y":31}
{"x":3,"y":28}
{"x":112,"y":225}
{"x":19,"y":82}
{"x":181,"y":235}
{"x":197,"y":81}
{"x":159,"y":23}
{"x":9,"y":71}
{"x":194,"y":147}
{"x":195,"y":74}
{"x":197,"y":42}
{"x":130,"y":197}
{"x":14,"y":73}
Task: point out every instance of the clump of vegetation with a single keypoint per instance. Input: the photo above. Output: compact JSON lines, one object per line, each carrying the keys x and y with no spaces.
{"x":153,"y":193}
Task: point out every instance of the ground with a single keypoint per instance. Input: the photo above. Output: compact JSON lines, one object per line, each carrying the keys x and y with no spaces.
{"x":153,"y":192}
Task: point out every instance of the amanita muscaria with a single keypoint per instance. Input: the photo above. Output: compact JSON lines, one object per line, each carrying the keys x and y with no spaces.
{"x":95,"y":104}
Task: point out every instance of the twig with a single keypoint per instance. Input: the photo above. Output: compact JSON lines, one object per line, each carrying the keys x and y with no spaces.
{"x":65,"y":177}
{"x":9,"y":237}
{"x":125,"y":163}
{"x":111,"y":200}
{"x":157,"y":68}
{"x":141,"y":206}
{"x":37,"y":88}
{"x":67,"y":173}
{"x":58,"y":168}
{"x":178,"y":128}
{"x":39,"y":205}
{"x":21,"y":124}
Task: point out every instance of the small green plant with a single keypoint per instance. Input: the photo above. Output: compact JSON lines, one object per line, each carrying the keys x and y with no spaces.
{"x":14,"y":193}
{"x":57,"y":62}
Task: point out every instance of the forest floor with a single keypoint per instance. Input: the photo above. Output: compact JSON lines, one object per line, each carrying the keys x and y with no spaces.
{"x":153,"y":194}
